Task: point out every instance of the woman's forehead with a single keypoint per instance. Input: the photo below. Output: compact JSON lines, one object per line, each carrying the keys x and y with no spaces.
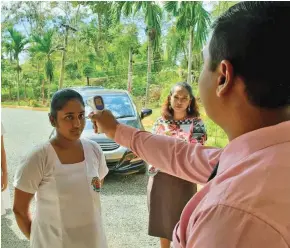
{"x":73,"y":106}
{"x":179,"y":90}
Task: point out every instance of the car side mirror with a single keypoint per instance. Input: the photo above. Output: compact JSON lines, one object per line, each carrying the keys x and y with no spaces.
{"x":145,"y":113}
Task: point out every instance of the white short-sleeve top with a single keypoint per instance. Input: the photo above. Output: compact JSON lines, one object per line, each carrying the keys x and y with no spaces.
{"x":68,"y":209}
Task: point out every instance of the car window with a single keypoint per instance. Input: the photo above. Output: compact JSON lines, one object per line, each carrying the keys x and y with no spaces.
{"x":119,"y":105}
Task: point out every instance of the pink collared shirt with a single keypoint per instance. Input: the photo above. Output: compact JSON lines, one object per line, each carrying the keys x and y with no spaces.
{"x":247,"y":205}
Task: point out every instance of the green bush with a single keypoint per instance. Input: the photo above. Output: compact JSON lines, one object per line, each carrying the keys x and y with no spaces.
{"x":34,"y":103}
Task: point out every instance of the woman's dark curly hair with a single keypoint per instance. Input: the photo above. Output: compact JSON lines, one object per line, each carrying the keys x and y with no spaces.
{"x":192,"y":111}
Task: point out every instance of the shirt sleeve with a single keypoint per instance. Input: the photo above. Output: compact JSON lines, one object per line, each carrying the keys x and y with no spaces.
{"x":103,"y":168}
{"x":30,"y":172}
{"x":192,"y":162}
{"x":227,"y":227}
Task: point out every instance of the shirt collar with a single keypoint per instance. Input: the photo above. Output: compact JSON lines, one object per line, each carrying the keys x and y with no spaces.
{"x":249,"y":143}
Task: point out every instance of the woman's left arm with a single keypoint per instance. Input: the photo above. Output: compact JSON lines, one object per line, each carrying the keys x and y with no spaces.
{"x":21,"y":211}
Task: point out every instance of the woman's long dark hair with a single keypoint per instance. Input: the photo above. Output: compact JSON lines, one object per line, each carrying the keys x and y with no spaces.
{"x":192,"y":110}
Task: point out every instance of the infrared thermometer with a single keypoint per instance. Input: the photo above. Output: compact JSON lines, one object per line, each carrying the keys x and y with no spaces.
{"x":96,"y":103}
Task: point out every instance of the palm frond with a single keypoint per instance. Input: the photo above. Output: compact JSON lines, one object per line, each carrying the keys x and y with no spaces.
{"x":17,"y":42}
{"x":202,"y":23}
{"x":172,"y":7}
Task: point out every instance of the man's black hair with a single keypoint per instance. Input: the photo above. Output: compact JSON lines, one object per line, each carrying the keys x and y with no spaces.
{"x":254,"y":37}
{"x":60,"y":99}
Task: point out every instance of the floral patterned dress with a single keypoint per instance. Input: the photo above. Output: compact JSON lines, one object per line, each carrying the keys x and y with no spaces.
{"x":190,"y":130}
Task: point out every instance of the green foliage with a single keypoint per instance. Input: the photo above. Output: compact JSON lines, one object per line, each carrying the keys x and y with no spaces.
{"x":88,"y":70}
{"x":191,"y":15}
{"x":98,"y":50}
{"x":15,"y":42}
{"x":34,"y":103}
{"x":49,"y":69}
{"x":72,"y":71}
{"x":219,"y":7}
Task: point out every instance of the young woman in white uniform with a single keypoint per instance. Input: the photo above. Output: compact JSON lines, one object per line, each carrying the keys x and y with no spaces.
{"x":65,"y":175}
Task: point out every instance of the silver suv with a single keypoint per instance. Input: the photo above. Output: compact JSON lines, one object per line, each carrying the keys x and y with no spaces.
{"x":119,"y":159}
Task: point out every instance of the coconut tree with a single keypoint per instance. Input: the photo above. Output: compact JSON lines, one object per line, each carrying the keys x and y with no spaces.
{"x":15,"y":44}
{"x":152,"y":13}
{"x":195,"y":20}
{"x":43,"y":44}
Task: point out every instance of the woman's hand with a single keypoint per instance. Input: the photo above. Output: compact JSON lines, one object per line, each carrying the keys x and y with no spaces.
{"x":21,"y":211}
{"x":104,"y":122}
{"x":4,"y":180}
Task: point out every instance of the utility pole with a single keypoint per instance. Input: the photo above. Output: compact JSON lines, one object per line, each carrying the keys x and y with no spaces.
{"x":67,"y":28}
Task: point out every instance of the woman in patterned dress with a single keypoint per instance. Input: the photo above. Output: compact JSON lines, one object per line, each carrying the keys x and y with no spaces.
{"x":168,"y":195}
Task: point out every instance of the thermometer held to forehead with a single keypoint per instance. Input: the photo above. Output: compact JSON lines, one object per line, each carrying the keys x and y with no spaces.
{"x":96,"y":103}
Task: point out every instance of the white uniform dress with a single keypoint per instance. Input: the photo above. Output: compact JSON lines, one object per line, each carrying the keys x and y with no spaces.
{"x":5,"y":195}
{"x":68,"y":209}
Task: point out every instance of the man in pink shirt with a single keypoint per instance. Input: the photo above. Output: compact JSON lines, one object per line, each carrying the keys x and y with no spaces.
{"x":245,"y":89}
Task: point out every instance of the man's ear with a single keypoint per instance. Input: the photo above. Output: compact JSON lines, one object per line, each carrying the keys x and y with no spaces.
{"x":225,"y":78}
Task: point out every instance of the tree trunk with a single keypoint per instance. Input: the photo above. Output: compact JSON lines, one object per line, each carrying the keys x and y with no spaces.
{"x":190,"y":55}
{"x":149,"y":58}
{"x":60,"y":85}
{"x":18,"y":72}
{"x":184,"y":52}
{"x":38,"y":75}
{"x":76,"y":25}
{"x":10,"y":91}
{"x":130,"y":70}
{"x":25,"y":93}
{"x":48,"y":90}
{"x":100,"y":30}
{"x":88,"y":81}
{"x":42,"y":92}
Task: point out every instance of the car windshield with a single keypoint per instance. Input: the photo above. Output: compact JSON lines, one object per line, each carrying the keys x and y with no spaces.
{"x":119,"y":104}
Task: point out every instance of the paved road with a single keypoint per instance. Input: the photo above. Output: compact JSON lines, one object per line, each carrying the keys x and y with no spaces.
{"x":123,"y":200}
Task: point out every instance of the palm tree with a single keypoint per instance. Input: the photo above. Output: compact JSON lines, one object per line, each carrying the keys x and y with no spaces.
{"x":63,"y":59}
{"x":219,"y":7}
{"x":44,"y":45}
{"x":15,"y":45}
{"x":175,"y":44}
{"x":194,"y":19}
{"x":153,"y":14}
{"x":103,"y":11}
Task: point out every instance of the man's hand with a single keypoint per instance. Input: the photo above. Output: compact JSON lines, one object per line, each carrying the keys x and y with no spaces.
{"x":4,"y":181}
{"x":104,"y":122}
